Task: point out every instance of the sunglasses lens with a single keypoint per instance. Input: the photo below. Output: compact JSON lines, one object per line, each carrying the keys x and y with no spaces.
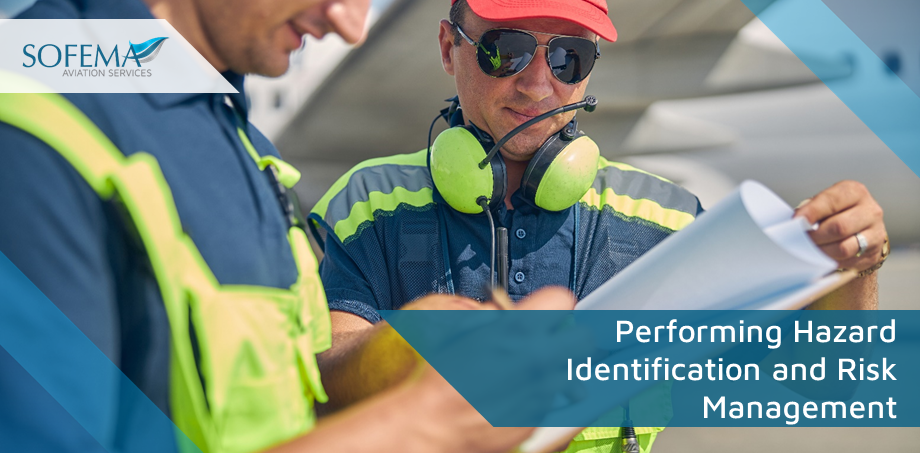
{"x":571,"y":59}
{"x":504,"y":53}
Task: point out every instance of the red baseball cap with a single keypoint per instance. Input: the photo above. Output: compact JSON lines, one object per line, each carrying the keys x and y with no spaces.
{"x":591,"y":14}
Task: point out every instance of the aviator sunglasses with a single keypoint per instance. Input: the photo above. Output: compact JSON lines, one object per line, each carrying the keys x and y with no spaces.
{"x":504,"y":52}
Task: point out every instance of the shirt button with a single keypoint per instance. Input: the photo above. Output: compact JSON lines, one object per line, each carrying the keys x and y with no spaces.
{"x":519,"y":277}
{"x":521,"y":234}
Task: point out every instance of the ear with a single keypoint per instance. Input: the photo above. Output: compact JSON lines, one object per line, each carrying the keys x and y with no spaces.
{"x":446,"y":42}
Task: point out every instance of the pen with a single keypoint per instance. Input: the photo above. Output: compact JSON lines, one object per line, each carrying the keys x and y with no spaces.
{"x":500,"y":297}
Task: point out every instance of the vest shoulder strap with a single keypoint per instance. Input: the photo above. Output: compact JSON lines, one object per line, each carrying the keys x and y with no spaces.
{"x":138,"y":179}
{"x":141,"y":188}
{"x":54,"y":120}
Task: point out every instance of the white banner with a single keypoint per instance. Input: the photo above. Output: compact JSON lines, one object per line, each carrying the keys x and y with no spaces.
{"x":102,"y":56}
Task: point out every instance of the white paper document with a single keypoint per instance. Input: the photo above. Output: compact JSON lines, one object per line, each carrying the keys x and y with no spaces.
{"x":746,"y":253}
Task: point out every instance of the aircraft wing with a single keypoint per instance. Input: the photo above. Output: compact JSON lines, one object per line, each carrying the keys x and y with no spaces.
{"x":382,"y":97}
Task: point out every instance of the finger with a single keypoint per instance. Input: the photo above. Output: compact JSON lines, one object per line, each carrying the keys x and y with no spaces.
{"x":843,"y":225}
{"x":859,"y":264}
{"x":862,"y":263}
{"x":837,"y":198}
{"x":551,"y":298}
{"x":844,"y":251}
{"x":442,"y":302}
{"x":501,"y":300}
{"x":462,"y":303}
{"x":841,"y":250}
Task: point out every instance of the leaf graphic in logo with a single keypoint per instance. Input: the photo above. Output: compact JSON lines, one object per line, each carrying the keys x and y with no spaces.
{"x":147,"y":50}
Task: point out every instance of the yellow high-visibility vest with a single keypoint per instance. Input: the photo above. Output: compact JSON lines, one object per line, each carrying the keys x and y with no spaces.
{"x":256,"y":378}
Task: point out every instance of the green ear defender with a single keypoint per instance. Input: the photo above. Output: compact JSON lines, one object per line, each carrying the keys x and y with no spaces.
{"x":560,"y":173}
{"x":562,"y":170}
{"x":454,"y":162}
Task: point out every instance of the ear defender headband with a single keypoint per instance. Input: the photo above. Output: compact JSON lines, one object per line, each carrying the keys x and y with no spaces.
{"x":468,"y":177}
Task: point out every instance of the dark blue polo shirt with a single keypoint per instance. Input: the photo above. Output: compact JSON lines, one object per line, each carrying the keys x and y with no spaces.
{"x":389,"y":237}
{"x":79,"y":253}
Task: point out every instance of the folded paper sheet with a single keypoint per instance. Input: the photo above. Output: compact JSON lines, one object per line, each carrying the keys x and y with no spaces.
{"x":742,"y":254}
{"x":746,"y":253}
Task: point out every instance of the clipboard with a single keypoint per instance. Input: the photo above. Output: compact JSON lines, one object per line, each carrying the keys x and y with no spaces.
{"x":543,"y":440}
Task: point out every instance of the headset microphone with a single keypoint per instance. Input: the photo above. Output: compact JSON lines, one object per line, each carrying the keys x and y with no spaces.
{"x":466,"y":164}
{"x":589,"y":104}
{"x":474,"y":181}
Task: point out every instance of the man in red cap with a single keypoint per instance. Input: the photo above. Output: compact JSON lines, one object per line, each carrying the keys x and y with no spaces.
{"x":88,"y":249}
{"x":396,"y":228}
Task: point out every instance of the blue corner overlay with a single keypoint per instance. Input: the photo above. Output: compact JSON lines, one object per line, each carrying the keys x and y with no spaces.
{"x":37,"y":335}
{"x":703,"y":368}
{"x":875,"y":93}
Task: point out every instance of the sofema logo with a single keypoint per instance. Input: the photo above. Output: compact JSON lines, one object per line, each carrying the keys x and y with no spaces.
{"x":147,"y":50}
{"x":103,"y":56}
{"x":83,"y":57}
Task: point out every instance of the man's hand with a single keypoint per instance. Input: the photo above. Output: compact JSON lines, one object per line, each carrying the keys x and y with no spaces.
{"x":425,"y":414}
{"x":443,"y":302}
{"x":366,"y":359}
{"x":842,"y":211}
{"x":465,"y":428}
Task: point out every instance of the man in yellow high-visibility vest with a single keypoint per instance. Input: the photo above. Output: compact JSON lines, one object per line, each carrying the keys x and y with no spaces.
{"x":160,"y":224}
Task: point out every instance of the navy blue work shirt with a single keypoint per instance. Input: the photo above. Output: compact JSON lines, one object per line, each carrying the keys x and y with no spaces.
{"x":389,"y":237}
{"x":77,"y":250}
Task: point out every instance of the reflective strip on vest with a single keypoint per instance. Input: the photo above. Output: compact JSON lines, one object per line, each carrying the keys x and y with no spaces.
{"x":257,"y":345}
{"x":638,"y":194}
{"x":375,"y":185}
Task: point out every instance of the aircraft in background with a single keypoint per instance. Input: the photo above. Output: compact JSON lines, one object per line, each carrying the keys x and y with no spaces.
{"x":701,"y":93}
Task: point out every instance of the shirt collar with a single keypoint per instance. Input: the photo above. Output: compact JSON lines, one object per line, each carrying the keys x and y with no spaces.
{"x":519,"y":204}
{"x":239,"y":98}
{"x":518,"y":201}
{"x":165,"y":100}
